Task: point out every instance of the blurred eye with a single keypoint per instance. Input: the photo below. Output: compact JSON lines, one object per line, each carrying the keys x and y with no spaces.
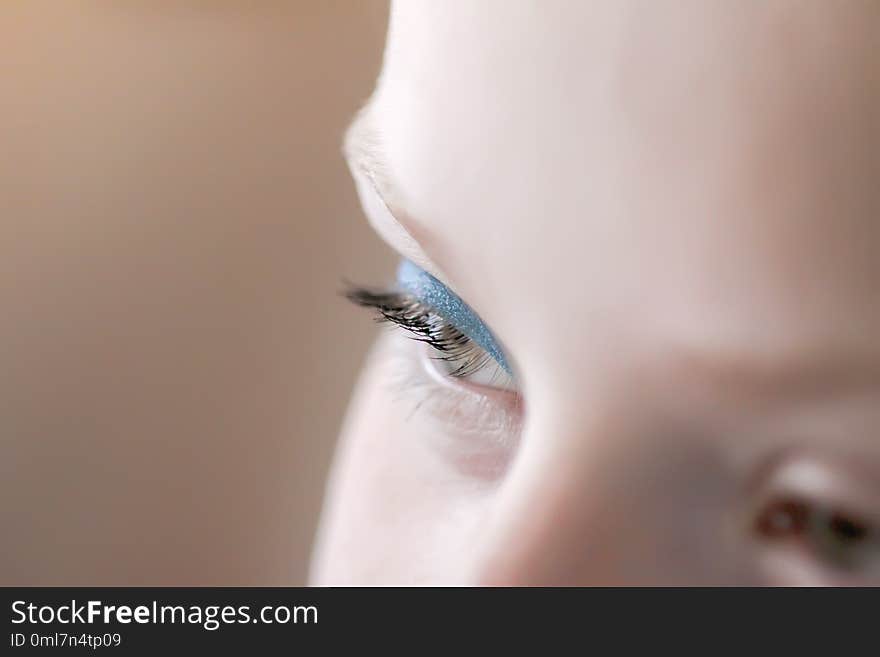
{"x":839,"y":538}
{"x":822,"y":517}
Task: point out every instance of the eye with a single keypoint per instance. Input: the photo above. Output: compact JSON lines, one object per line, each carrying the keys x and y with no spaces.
{"x":821,"y":516}
{"x":459,"y":345}
{"x":839,"y":538}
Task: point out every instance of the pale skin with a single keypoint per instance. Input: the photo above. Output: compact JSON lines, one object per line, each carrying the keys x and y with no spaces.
{"x":667,"y":212}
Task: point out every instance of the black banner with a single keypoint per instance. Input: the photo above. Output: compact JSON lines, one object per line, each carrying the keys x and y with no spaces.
{"x":179,"y":620}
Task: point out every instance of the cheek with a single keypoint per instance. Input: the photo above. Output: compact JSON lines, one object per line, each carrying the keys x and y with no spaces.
{"x":397,"y":511}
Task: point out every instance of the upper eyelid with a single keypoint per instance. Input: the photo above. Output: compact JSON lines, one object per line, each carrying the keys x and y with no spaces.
{"x":417,"y":272}
{"x":435,"y":294}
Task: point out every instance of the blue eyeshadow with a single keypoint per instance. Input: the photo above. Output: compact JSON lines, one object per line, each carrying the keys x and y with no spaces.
{"x":434,"y":294}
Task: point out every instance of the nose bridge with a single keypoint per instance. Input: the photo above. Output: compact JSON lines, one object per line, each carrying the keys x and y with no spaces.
{"x":552,"y":517}
{"x":591,"y":503}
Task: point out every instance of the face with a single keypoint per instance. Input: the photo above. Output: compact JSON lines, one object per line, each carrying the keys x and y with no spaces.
{"x":640,"y":255}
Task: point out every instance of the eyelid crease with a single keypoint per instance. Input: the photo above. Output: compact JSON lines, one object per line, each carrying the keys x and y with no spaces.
{"x":430,"y":291}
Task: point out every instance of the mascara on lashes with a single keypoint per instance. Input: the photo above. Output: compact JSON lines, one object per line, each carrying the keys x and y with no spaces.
{"x":428,"y":290}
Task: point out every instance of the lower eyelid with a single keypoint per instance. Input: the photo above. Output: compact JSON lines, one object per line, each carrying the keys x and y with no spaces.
{"x":487,"y":380}
{"x":478,"y":426}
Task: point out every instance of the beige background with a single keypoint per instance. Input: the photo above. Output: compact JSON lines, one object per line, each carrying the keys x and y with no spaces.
{"x":175,"y":221}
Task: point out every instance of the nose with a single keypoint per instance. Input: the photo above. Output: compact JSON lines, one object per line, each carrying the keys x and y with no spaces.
{"x":609,"y":505}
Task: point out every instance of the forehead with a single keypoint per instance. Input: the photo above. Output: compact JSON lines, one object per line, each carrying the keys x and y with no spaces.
{"x":711,"y":168}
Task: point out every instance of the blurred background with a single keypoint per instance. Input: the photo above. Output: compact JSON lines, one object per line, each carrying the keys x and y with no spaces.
{"x":175,"y":223}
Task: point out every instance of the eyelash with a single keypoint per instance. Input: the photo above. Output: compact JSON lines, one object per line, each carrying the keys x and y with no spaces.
{"x":424,"y":325}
